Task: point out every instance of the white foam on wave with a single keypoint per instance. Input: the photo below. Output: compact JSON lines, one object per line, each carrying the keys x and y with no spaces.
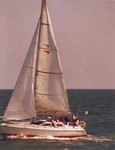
{"x":36,"y":137}
{"x":88,"y":138}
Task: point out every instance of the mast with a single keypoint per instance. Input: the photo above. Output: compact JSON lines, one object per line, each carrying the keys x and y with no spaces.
{"x":37,"y":52}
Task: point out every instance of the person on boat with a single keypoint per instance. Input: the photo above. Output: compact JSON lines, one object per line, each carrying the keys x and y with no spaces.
{"x":61,"y":119}
{"x":48,"y":118}
{"x":52,"y":121}
{"x":75,"y":120}
{"x":33,"y":120}
{"x":67,"y":119}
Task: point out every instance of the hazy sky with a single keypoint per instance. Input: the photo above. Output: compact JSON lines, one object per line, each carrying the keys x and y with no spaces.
{"x":84,"y":32}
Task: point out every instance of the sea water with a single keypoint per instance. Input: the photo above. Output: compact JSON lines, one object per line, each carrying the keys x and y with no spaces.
{"x":100,"y":123}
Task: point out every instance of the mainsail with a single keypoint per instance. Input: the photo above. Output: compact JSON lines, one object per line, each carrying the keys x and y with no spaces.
{"x":40,"y":86}
{"x":21,"y":104}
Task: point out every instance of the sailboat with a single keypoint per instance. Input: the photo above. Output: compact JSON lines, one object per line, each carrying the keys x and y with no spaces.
{"x":40,"y":90}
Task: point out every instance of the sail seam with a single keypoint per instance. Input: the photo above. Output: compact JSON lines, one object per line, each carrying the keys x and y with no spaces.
{"x":48,"y":94}
{"x":49,"y":72}
{"x":46,"y":24}
{"x":47,"y":49}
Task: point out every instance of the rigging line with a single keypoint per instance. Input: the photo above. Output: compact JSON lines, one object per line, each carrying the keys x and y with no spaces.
{"x":49,"y":72}
{"x":78,"y":109}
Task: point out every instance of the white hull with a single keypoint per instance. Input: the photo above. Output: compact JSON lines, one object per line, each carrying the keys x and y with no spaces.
{"x":31,"y":130}
{"x":40,"y":89}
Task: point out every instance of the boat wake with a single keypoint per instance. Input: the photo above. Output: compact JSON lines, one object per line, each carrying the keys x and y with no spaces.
{"x":91,"y":138}
{"x":100,"y":139}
